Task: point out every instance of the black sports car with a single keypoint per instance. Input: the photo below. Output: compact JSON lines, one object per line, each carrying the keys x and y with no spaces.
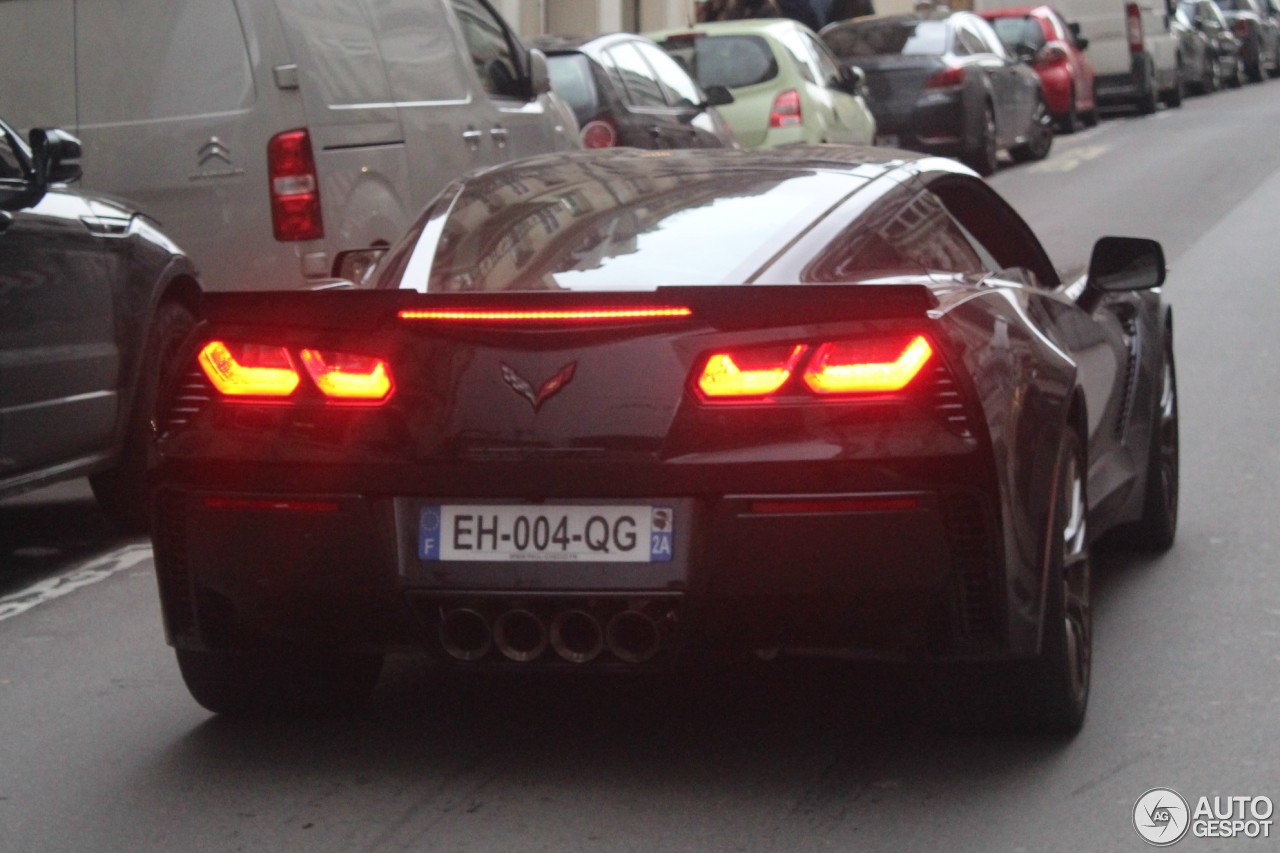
{"x":631,"y":410}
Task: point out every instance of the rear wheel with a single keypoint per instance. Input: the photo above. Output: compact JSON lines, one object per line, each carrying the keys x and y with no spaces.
{"x":1149,"y":100}
{"x":279,"y":682}
{"x":1211,"y":81}
{"x":1159,"y":524}
{"x":1173,"y":97}
{"x":1236,"y":80}
{"x":981,"y":156}
{"x":1039,"y":136}
{"x":1069,"y":122}
{"x":122,"y":491}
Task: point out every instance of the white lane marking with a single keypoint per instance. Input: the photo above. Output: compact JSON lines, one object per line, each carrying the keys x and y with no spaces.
{"x":1073,"y":159}
{"x":98,"y":569}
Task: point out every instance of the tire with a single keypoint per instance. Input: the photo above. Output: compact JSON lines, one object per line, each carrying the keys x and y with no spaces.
{"x":1149,"y":100}
{"x":279,"y":683}
{"x":1159,"y":525}
{"x":1090,"y":118}
{"x":1069,"y":122}
{"x":1048,"y":694}
{"x":1211,"y":80}
{"x":981,"y":156}
{"x":1174,"y":97}
{"x":1039,"y":136}
{"x":121,"y":492}
{"x":1237,"y":74}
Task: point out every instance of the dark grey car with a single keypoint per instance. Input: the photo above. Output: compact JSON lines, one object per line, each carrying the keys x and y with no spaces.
{"x":625,"y":90}
{"x":92,"y":298}
{"x":946,"y":86}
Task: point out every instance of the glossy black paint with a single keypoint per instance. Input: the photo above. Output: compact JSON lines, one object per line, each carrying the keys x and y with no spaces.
{"x":958,"y":571}
{"x":629,"y":83}
{"x":80,"y":276}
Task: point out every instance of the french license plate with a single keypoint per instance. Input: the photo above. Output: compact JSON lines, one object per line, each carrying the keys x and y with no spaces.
{"x":616,"y":534}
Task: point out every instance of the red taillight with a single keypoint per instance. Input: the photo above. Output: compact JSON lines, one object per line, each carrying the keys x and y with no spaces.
{"x":249,"y":370}
{"x":295,"y":188}
{"x":1133,"y":27}
{"x":265,"y":372}
{"x":479,"y":315}
{"x":344,"y":377}
{"x":786,"y":110}
{"x":749,"y":373}
{"x":947,"y":78}
{"x":866,"y":366}
{"x":599,"y":134}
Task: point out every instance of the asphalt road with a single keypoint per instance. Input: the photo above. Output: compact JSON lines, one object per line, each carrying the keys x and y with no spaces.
{"x":102,"y":749}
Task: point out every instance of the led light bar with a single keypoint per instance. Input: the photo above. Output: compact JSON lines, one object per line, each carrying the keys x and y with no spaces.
{"x":475,"y":315}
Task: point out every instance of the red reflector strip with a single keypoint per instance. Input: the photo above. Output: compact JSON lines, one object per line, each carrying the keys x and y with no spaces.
{"x":270,"y":505}
{"x":476,"y":315}
{"x":805,"y":506}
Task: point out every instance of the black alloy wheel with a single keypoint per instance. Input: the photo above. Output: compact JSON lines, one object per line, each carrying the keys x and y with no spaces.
{"x":1039,"y":136}
{"x":981,"y":155}
{"x":1174,"y":97}
{"x":1211,"y":81}
{"x":1159,"y":524}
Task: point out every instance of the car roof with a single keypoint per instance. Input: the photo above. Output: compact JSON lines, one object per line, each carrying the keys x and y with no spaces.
{"x":553,"y":44}
{"x":744,"y":26}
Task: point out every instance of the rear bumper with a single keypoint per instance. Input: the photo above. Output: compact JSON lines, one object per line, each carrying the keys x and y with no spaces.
{"x":935,"y":126}
{"x":917,"y":578}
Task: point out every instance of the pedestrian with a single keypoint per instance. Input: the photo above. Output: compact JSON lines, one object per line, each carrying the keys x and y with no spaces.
{"x":800,"y":10}
{"x":738,"y":9}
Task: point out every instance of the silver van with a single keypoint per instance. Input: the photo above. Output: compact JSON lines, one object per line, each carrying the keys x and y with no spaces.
{"x":266,"y":136}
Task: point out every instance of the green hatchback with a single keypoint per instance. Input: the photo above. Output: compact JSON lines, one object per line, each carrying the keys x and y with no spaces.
{"x":786,"y":85}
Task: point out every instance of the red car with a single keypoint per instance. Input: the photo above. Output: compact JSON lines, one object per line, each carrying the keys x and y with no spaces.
{"x":1055,"y":50}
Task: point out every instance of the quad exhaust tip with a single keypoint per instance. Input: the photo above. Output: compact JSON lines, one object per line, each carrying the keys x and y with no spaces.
{"x":465,"y":634}
{"x":633,"y":636}
{"x":576,"y":636}
{"x":520,"y":635}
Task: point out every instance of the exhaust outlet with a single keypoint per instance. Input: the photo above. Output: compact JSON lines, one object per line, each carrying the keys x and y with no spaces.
{"x":520,"y":635}
{"x":576,"y":636}
{"x":632,"y":636}
{"x":465,"y":634}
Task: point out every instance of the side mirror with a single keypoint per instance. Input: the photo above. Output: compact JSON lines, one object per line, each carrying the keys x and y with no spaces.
{"x":1025,"y":53}
{"x":1121,"y":264}
{"x":56,"y":156}
{"x":357,"y":265}
{"x":718,"y":96}
{"x":855,"y":79}
{"x":1081,"y":41}
{"x":539,"y":75}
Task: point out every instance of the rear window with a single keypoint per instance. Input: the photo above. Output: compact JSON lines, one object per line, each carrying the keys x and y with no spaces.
{"x":600,"y":226}
{"x":903,"y":37}
{"x":572,"y":80}
{"x":732,"y":61}
{"x":1019,"y":31}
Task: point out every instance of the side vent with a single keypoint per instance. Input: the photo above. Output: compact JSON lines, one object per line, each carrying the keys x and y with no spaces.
{"x":174,"y":570}
{"x":190,"y":397}
{"x":948,"y":403}
{"x":972,"y":561}
{"x":1130,"y":328}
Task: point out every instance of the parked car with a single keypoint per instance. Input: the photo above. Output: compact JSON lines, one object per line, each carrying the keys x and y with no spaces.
{"x":1055,"y":50}
{"x":269,"y":135}
{"x":1211,"y":54}
{"x":946,"y":86}
{"x":95,"y":299}
{"x":1132,"y":48}
{"x":656,"y":412}
{"x":1257,"y":24}
{"x":625,"y":90}
{"x":786,"y":86}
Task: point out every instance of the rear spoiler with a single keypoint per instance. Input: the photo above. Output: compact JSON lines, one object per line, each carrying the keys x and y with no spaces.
{"x":723,"y":307}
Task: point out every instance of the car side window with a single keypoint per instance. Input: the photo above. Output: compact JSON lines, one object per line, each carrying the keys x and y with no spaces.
{"x":492,"y":53}
{"x":826,"y":64}
{"x":968,"y":39}
{"x":995,"y":228}
{"x":679,"y":87}
{"x":641,"y":87}
{"x":910,"y":231}
{"x":806,"y":63}
{"x":985,"y":34}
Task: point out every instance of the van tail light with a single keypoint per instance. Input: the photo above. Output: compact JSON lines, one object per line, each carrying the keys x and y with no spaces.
{"x":948,"y":78}
{"x":748,"y":373}
{"x":1133,"y":27}
{"x":295,"y":187}
{"x":786,"y":110}
{"x":600,"y":133}
{"x":344,"y":377}
{"x":881,"y":364}
{"x":249,"y":370}
{"x":263,"y":372}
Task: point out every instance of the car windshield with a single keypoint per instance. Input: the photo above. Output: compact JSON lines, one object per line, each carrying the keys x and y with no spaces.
{"x":903,"y":36}
{"x":1019,"y":31}
{"x":732,"y":61}
{"x":589,"y":225}
{"x":571,"y":79}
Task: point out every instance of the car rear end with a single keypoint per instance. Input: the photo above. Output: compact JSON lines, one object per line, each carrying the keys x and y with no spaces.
{"x":914,"y":89}
{"x":621,"y":480}
{"x":767,"y":108}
